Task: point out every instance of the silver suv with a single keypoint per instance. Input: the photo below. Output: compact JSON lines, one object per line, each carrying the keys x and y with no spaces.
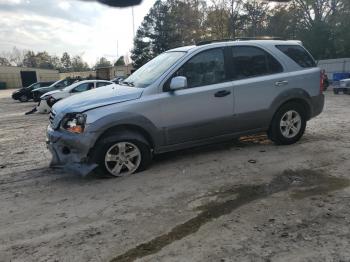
{"x":187,"y":97}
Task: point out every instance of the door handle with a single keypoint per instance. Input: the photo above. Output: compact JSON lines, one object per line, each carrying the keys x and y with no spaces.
{"x":222,"y":93}
{"x":281,"y":83}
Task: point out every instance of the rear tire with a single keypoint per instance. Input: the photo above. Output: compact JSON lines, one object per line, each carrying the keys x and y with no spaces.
{"x":288,"y":124}
{"x":122,"y":154}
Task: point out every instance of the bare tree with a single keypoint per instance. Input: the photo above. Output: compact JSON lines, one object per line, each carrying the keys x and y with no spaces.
{"x":235,"y":19}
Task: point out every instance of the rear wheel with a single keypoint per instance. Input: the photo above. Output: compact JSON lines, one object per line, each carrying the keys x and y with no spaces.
{"x":288,"y":124}
{"x":123,"y":155}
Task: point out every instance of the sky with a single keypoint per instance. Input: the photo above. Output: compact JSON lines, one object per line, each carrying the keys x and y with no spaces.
{"x":89,"y":29}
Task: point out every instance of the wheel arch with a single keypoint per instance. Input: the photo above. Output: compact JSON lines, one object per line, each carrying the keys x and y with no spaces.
{"x":127,"y":129}
{"x":118,"y":131}
{"x":305,"y":104}
{"x":299,"y":96}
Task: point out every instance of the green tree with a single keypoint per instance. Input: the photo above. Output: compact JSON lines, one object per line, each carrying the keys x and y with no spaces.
{"x":56,"y":62}
{"x":78,"y":65}
{"x":44,"y":60}
{"x":217,"y":22}
{"x":141,"y":53}
{"x":255,"y":16}
{"x":168,"y":24}
{"x":30,"y":59}
{"x":120,"y":61}
{"x":319,"y":24}
{"x":66,"y":62}
{"x":283,"y":21}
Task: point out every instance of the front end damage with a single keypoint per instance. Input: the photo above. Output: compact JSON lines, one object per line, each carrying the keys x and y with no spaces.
{"x":70,"y":152}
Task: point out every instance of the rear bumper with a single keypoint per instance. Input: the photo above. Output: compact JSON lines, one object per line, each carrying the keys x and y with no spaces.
{"x":317,"y":104}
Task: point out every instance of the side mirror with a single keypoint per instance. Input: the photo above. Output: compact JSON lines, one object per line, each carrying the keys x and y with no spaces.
{"x":178,"y":82}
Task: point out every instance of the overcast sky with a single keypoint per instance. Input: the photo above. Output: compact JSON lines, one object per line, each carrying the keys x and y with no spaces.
{"x":81,"y":28}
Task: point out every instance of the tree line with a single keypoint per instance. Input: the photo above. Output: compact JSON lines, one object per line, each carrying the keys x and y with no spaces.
{"x":322,"y":25}
{"x":65,"y":63}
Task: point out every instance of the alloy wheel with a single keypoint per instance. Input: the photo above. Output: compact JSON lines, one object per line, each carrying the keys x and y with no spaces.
{"x":122,"y":159}
{"x":290,"y":124}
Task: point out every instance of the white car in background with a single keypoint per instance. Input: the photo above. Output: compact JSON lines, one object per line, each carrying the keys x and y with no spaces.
{"x":50,"y":98}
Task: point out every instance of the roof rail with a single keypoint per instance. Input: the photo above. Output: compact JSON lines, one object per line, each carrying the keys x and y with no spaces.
{"x":239,"y":39}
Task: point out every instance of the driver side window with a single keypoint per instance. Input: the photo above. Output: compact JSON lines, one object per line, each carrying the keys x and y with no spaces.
{"x":205,"y":68}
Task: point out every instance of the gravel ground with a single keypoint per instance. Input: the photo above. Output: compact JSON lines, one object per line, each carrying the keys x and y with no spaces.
{"x":239,"y":201}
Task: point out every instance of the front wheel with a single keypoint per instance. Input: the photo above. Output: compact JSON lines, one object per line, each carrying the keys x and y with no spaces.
{"x":288,"y":125}
{"x":23,"y":98}
{"x":124,"y":156}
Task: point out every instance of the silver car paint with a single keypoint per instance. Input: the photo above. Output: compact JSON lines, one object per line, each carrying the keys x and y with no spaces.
{"x":186,"y":117}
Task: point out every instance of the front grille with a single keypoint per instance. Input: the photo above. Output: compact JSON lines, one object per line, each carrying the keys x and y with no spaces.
{"x":52,"y":117}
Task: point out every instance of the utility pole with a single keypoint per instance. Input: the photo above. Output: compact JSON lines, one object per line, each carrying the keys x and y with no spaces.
{"x":133,"y":21}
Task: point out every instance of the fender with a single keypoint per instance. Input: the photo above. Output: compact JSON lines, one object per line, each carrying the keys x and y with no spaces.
{"x":128,"y":119}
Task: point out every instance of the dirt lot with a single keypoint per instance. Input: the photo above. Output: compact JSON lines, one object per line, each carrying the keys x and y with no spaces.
{"x":291,"y":203}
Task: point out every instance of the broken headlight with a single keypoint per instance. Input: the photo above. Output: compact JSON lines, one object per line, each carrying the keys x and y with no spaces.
{"x":74,"y":122}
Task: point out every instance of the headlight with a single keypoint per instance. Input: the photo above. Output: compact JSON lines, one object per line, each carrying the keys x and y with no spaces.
{"x":50,"y":100}
{"x":74,"y":122}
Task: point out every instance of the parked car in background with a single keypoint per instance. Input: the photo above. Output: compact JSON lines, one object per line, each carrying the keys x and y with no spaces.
{"x":187,"y":97}
{"x":25,"y":94}
{"x":60,"y":84}
{"x":324,"y":80}
{"x":118,"y":79}
{"x":344,"y":86}
{"x":50,"y":98}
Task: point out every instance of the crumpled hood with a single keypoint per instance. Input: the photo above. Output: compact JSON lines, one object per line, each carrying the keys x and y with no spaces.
{"x":98,"y":97}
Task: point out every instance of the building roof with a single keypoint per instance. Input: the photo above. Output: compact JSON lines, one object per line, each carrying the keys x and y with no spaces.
{"x":28,"y":68}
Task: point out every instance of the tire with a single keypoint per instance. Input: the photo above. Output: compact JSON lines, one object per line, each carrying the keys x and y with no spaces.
{"x":108,"y":148}
{"x":288,"y":124}
{"x":23,"y":98}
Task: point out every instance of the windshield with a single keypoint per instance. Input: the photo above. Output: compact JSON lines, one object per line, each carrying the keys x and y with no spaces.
{"x":55,"y":83}
{"x":32,"y":86}
{"x":149,"y":72}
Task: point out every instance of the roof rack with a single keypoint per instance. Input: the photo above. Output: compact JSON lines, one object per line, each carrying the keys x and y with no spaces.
{"x":239,"y":39}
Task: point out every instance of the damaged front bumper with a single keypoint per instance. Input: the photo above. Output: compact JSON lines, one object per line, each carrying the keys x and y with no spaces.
{"x":70,"y":151}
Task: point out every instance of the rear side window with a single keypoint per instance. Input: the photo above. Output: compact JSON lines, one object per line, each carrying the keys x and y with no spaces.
{"x":251,"y":61}
{"x":298,"y":54}
{"x":99,"y":84}
{"x":83,"y":87}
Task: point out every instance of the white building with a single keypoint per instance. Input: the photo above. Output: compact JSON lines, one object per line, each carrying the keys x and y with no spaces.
{"x":340,"y":65}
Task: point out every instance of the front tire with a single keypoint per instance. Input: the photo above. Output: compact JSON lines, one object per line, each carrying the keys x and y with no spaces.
{"x":123,"y":155}
{"x":23,"y":98}
{"x":288,"y":125}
